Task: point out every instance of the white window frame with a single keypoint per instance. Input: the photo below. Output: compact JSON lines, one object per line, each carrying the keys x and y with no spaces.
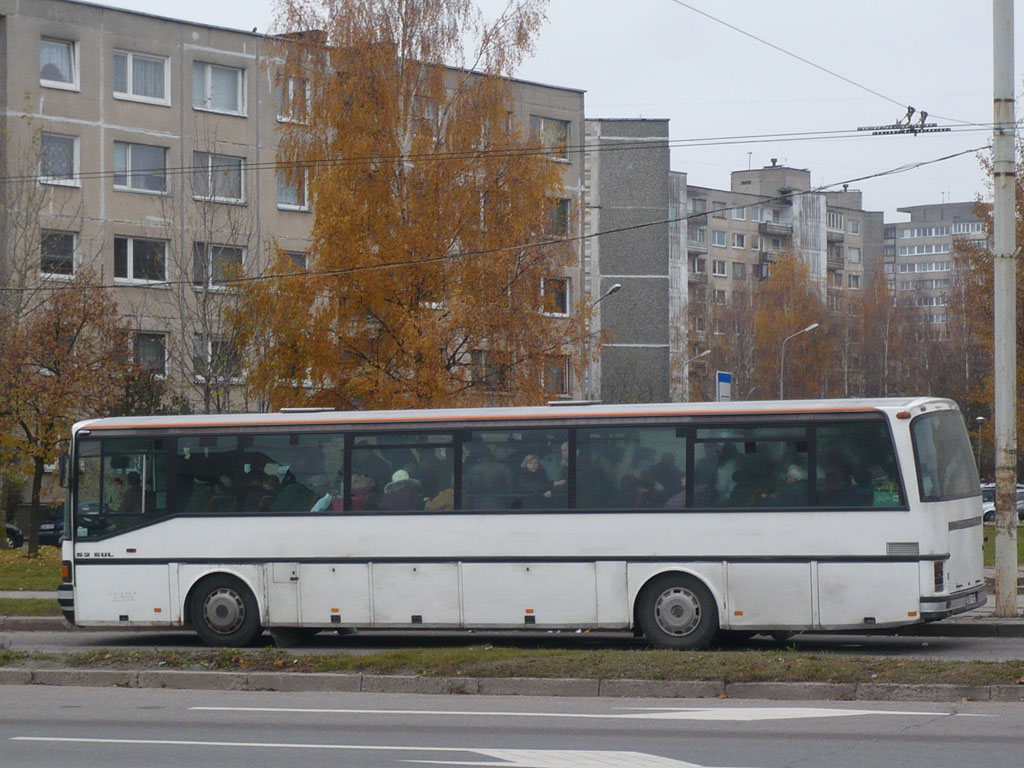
{"x":207,"y":341}
{"x":538,"y":127}
{"x":286,"y":94}
{"x":739,"y":213}
{"x":162,"y":373}
{"x":129,"y":67}
{"x":719,"y":268}
{"x":211,"y":170}
{"x":208,"y":283}
{"x":854,"y":225}
{"x":75,"y":83}
{"x":568,"y":292}
{"x":853,"y":282}
{"x":853,"y":254}
{"x":281,"y":184}
{"x":74,"y":254}
{"x":566,"y":388}
{"x":206,"y":105}
{"x":715,"y":238}
{"x":130,"y":278}
{"x":75,"y":179}
{"x":739,"y":240}
{"x":130,"y":174}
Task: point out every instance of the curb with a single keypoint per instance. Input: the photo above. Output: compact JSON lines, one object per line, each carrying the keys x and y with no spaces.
{"x":986,"y":627}
{"x":516,"y":686}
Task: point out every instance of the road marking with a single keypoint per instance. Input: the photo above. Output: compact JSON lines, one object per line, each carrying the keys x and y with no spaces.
{"x":721,"y":714}
{"x":511,"y":758}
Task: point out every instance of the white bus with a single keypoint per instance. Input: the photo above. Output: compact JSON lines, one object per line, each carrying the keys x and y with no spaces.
{"x":674,"y":520}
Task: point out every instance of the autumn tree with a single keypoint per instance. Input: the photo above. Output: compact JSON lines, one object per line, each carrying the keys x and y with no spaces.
{"x":66,"y":360}
{"x":435,"y":271}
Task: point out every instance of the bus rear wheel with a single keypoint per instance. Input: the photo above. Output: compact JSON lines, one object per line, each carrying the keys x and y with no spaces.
{"x":225,"y":613}
{"x":677,"y":611}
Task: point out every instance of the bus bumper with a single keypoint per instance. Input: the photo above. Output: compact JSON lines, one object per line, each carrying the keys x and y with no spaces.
{"x":935,"y":608}
{"x":66,"y":600}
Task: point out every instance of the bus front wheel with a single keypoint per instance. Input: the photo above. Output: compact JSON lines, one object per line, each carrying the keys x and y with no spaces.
{"x":677,"y":611}
{"x":225,"y":613}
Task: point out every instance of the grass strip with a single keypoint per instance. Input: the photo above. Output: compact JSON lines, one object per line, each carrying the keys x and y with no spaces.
{"x":16,"y":606}
{"x":989,"y":546}
{"x":490,"y":661}
{"x":18,"y":571}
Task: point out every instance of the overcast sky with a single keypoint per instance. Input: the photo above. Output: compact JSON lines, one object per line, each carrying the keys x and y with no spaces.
{"x":659,"y":59}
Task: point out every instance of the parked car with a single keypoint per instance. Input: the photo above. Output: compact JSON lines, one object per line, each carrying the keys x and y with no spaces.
{"x":51,"y":531}
{"x":15,"y":538}
{"x":988,"y":502}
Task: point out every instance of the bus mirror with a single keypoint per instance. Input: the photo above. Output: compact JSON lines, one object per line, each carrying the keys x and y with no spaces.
{"x":62,"y":464}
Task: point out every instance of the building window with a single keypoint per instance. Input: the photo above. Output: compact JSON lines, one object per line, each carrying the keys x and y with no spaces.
{"x":556,"y":375}
{"x":58,"y":159}
{"x":213,"y":265}
{"x":558,"y":218}
{"x":834,"y":220}
{"x":718,"y":238}
{"x":739,"y":240}
{"x":739,"y":269}
{"x":299,"y":259}
{"x":58,"y":64}
{"x":854,"y":227}
{"x":889,"y":268}
{"x":719,"y":296}
{"x":853,"y":255}
{"x":140,"y":167}
{"x":700,"y":324}
{"x":57,"y":253}
{"x":554,"y":135}
{"x":141,"y":77}
{"x":853,"y":282}
{"x":837,"y":279}
{"x":293,"y":100}
{"x":214,"y":358}
{"x":889,"y":233}
{"x":554,"y":293}
{"x":216,"y":177}
{"x":218,"y":89}
{"x":718,"y":268}
{"x":698,"y":266}
{"x":139,"y":260}
{"x":739,"y":213}
{"x":485,"y":373}
{"x":151,"y":352}
{"x":755,"y":213}
{"x":292,"y":197}
{"x":718,"y":209}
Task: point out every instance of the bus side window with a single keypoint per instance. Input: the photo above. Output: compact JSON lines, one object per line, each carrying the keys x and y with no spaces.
{"x":856,"y":466}
{"x":630,"y":468}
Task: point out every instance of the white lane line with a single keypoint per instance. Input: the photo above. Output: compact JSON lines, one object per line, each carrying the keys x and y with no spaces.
{"x":722,"y":714}
{"x":510,"y":758}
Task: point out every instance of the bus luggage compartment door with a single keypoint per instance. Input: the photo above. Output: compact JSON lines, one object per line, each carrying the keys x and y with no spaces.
{"x":862,"y":594}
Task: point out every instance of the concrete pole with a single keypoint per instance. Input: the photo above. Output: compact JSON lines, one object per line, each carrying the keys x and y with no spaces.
{"x":1005,"y":289}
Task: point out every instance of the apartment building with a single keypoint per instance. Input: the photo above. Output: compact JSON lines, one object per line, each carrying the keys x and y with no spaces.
{"x":636,"y":234}
{"x":146,"y":147}
{"x":918,"y":257}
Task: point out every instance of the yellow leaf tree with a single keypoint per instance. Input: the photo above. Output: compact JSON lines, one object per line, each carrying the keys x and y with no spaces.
{"x":433,"y":273}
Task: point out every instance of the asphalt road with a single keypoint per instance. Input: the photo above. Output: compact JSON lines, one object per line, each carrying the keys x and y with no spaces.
{"x":945,"y":648}
{"x":41,"y":727}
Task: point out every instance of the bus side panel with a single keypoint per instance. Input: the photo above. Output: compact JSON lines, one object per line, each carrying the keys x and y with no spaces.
{"x":116,"y":594}
{"x":403,"y":591}
{"x":509,"y":594}
{"x":613,"y":609}
{"x":769,"y":595}
{"x":341,"y":590}
{"x":861,"y":594}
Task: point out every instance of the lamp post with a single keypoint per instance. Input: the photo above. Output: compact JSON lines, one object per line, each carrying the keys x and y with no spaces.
{"x":614,"y":288}
{"x":782,"y":356}
{"x":686,"y":369}
{"x":980,"y":420}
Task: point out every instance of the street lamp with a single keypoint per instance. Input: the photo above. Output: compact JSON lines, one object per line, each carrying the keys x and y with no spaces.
{"x":686,"y":367}
{"x":980,"y":421}
{"x":614,"y":288}
{"x":782,"y":357}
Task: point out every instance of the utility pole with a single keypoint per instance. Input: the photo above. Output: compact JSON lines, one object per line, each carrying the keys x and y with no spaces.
{"x":1005,"y":290}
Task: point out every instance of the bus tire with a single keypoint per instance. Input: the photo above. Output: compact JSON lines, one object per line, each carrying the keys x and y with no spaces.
{"x":225,"y":613}
{"x":677,"y":611}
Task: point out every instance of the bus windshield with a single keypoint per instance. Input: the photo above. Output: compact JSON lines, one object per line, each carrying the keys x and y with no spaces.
{"x":945,"y":462}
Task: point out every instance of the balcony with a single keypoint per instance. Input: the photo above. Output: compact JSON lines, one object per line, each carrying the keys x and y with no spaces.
{"x":835,"y":263}
{"x":697,"y":278}
{"x":774,"y":228}
{"x":767,"y":257}
{"x":835,"y":235}
{"x":692,"y":246}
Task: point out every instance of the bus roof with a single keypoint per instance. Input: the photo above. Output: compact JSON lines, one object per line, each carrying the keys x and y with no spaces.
{"x":575,"y":413}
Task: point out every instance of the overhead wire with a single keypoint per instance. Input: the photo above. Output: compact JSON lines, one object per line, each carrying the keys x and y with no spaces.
{"x":503,"y":249}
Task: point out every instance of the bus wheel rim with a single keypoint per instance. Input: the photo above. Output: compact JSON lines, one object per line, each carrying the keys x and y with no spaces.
{"x":677,"y":611}
{"x":224,"y":611}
